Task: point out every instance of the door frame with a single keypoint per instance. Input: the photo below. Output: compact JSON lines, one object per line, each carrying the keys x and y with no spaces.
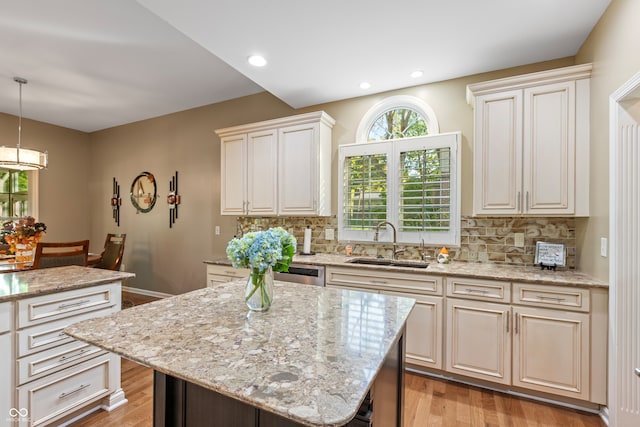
{"x":629,"y":90}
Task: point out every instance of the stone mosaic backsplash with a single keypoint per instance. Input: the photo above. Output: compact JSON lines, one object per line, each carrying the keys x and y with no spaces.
{"x":485,"y":240}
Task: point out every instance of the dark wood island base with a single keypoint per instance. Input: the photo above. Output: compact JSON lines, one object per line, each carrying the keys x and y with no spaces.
{"x":180,"y":403}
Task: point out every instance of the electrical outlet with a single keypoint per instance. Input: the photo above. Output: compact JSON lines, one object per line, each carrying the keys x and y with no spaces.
{"x":217,"y":230}
{"x":329,"y":234}
{"x":603,"y":247}
{"x":518,"y":240}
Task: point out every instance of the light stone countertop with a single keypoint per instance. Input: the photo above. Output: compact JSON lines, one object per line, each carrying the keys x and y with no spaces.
{"x":311,"y":358}
{"x":28,"y":283}
{"x":509,"y":273}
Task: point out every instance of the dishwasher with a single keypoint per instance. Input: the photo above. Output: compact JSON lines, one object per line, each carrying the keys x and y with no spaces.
{"x":302,"y":273}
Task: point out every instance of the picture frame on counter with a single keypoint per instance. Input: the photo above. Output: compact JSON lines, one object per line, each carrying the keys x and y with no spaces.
{"x":550,"y":255}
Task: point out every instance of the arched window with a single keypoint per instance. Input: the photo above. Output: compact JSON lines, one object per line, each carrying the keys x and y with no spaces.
{"x":397,"y":117}
{"x":400,"y":170}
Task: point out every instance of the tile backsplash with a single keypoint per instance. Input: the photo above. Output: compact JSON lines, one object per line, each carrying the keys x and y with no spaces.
{"x":486,"y":239}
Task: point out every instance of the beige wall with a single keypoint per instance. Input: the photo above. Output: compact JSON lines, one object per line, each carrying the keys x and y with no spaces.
{"x":612,"y":47}
{"x":64,"y":193}
{"x":170,"y":260}
{"x":76,"y":189}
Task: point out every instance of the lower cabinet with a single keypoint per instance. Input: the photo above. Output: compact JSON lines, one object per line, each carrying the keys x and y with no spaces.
{"x":424,"y":330}
{"x":539,"y":339}
{"x":479,"y":340}
{"x":217,"y":274}
{"x":6,"y":389}
{"x":551,"y":351}
{"x":425,"y":323}
{"x":53,"y":377}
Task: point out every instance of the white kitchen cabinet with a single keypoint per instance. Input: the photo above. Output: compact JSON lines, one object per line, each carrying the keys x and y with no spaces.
{"x":552,"y":339}
{"x":51,"y":374}
{"x":479,"y":340}
{"x":249,"y":173}
{"x":551,"y":351}
{"x":218,"y":273}
{"x":277,"y":167}
{"x":425,"y":323}
{"x":531,"y":143}
{"x":6,"y":354}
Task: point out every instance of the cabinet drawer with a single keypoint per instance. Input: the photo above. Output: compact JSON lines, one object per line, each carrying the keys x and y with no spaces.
{"x":50,"y":397}
{"x":486,"y":290}
{"x":5,"y":317}
{"x":227,"y":271}
{"x":48,"y":335}
{"x":564,"y":297}
{"x":44,"y":308}
{"x":53,"y":360}
{"x":358,"y":278}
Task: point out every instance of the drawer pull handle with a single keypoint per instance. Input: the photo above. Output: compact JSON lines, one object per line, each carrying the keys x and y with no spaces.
{"x":70,"y":356}
{"x":476,"y":291}
{"x":382,"y":282}
{"x":73,"y":304}
{"x":231,"y":273}
{"x":62,"y":334}
{"x":69,"y":393}
{"x":545,"y":298}
{"x":637,"y":371}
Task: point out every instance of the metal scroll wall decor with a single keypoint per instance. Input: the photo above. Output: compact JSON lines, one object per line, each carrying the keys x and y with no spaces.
{"x":173,"y":199}
{"x":116,"y":201}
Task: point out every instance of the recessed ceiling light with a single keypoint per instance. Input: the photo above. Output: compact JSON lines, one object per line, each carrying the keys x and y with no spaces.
{"x":365,"y":85}
{"x":417,"y":73}
{"x":257,"y":61}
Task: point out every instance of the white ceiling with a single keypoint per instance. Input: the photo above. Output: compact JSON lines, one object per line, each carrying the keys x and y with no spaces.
{"x":94,"y":64}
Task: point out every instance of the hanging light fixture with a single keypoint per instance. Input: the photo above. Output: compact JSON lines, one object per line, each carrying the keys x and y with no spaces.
{"x":19,"y":158}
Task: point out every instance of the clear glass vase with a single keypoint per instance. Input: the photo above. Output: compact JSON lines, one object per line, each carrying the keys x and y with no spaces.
{"x":258,"y":294}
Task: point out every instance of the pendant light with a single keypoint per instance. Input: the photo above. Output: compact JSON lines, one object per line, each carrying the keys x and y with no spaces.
{"x":19,"y":158}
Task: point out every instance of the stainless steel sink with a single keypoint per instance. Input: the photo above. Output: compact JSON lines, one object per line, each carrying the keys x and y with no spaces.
{"x":389,"y":262}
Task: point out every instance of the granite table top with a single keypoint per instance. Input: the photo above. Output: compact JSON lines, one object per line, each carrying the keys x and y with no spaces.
{"x":28,"y":283}
{"x":311,"y":358}
{"x":528,"y":274}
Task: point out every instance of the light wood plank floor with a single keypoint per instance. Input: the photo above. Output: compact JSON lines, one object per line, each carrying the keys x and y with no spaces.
{"x":428,"y":402}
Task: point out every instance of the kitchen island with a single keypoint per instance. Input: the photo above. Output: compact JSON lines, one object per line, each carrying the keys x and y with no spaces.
{"x":318,"y":357}
{"x":46,"y":376}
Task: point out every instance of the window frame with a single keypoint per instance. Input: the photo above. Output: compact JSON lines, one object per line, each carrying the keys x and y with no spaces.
{"x":395,"y":103}
{"x":32,"y":196}
{"x":393,"y":148}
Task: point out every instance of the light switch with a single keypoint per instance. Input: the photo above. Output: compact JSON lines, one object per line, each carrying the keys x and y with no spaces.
{"x":329,"y":234}
{"x":217,"y":230}
{"x":603,"y":247}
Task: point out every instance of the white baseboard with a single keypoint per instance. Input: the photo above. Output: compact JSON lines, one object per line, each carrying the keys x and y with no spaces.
{"x":146,"y":292}
{"x":604,"y":414}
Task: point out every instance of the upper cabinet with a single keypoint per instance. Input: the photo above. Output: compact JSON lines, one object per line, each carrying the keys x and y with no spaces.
{"x":277,"y":167}
{"x":531,"y":143}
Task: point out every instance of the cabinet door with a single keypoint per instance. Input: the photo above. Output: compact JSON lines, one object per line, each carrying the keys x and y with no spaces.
{"x":233,"y":172}
{"x":497,"y":175}
{"x":551,"y":351}
{"x":298,"y":176}
{"x":262,"y":166}
{"x":549,"y":149}
{"x":479,"y":340}
{"x":6,"y":389}
{"x":424,"y":330}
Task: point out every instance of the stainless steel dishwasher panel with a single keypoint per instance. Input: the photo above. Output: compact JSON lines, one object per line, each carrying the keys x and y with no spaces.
{"x":303,"y":273}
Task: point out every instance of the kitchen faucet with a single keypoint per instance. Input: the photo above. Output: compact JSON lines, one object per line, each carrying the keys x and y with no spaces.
{"x":395,"y":252}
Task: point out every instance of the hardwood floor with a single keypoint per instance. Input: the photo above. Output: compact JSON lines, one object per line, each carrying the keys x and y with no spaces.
{"x":428,"y":402}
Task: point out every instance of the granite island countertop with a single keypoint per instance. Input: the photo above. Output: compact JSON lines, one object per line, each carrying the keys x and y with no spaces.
{"x":311,"y":358}
{"x":28,"y":283}
{"x":528,"y":274}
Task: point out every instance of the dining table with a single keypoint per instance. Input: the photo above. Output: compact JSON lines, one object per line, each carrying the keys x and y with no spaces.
{"x":8,"y":264}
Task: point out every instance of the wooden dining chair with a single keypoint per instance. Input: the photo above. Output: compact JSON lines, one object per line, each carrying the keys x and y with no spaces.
{"x":111,"y":257}
{"x":58,"y":254}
